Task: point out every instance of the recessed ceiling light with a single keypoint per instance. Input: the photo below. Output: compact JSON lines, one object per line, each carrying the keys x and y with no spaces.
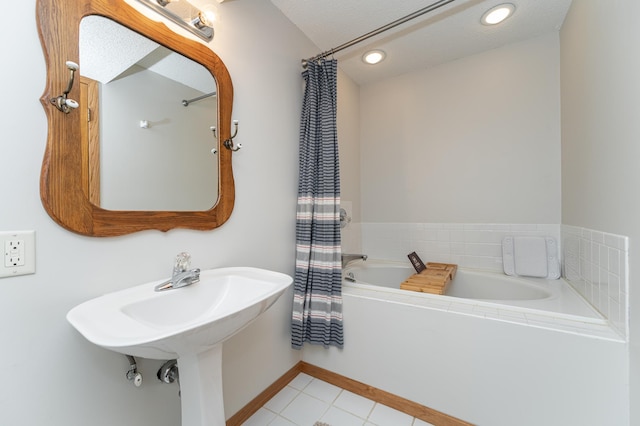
{"x":497,"y":14}
{"x":374,"y":56}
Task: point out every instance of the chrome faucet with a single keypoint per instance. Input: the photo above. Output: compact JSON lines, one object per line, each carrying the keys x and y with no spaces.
{"x":348,"y":257}
{"x":182,"y":274}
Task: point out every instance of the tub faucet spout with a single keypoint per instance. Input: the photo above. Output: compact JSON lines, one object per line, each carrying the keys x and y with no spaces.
{"x":348,"y":257}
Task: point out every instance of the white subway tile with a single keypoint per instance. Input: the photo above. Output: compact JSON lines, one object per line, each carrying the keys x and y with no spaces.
{"x":433,"y":225}
{"x":594,"y":262}
{"x":604,"y":257}
{"x":444,"y":235}
{"x":595,"y":253}
{"x":458,"y":226}
{"x":457,"y":235}
{"x":431,"y":246}
{"x":614,"y":261}
{"x":523,"y":227}
{"x":457,"y":247}
{"x":597,"y":236}
{"x":614,"y":287}
{"x":478,"y":236}
{"x":613,"y":241}
{"x":549,"y":229}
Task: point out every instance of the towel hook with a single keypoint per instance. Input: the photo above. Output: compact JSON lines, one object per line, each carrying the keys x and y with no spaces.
{"x":229,"y":142}
{"x":61,"y":102}
{"x":214,"y":150}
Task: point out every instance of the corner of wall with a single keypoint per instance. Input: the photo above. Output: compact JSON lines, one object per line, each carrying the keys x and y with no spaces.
{"x":596,"y":265}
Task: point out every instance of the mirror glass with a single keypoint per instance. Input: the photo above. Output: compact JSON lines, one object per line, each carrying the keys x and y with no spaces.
{"x":94,"y":158}
{"x":150,"y":120}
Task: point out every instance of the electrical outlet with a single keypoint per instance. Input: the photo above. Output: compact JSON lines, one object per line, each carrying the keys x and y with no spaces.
{"x":19,"y":253}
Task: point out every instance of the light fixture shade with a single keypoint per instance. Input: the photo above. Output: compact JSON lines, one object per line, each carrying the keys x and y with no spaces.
{"x":373,"y":57}
{"x":209,"y":14}
{"x":195,"y":24}
{"x":497,"y":14}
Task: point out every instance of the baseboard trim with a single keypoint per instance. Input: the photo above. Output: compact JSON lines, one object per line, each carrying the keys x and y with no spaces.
{"x":413,"y":409}
{"x":256,"y":403}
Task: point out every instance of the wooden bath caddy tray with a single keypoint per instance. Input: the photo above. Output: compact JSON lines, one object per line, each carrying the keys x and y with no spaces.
{"x":435,"y":279}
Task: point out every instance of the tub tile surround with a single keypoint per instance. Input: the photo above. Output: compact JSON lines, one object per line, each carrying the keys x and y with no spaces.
{"x":469,"y":245}
{"x":594,"y":263}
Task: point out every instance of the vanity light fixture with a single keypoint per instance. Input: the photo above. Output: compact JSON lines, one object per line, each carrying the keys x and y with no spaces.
{"x":186,"y":15}
{"x":205,"y":18}
{"x":373,"y":57}
{"x":497,"y":14}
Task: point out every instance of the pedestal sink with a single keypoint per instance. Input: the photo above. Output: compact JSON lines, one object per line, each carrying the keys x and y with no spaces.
{"x":188,"y":324}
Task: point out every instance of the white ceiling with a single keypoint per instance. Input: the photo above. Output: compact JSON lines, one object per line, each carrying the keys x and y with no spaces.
{"x":107,"y":58}
{"x":448,"y":33}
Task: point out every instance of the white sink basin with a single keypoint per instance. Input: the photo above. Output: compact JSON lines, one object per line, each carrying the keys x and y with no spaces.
{"x":168,"y":324}
{"x":188,"y":323}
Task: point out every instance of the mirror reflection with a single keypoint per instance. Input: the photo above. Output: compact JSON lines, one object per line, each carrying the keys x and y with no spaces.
{"x":144,"y":148}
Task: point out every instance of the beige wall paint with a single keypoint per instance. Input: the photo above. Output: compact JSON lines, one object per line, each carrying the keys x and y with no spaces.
{"x":474,"y":140}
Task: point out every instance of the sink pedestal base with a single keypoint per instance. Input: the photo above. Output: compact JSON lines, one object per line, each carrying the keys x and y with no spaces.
{"x":201,"y":388}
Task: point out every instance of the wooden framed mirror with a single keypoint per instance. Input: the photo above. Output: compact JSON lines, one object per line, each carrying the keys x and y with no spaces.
{"x":67,"y":193}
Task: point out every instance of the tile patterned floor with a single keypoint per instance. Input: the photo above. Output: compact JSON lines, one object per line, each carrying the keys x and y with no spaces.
{"x":306,"y":400}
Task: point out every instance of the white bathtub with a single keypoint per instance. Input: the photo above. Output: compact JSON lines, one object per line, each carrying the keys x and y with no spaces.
{"x":478,"y":289}
{"x":483,"y":361}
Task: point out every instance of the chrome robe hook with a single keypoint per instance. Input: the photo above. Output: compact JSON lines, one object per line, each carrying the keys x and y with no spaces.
{"x":62,"y":102}
{"x":229,"y":142}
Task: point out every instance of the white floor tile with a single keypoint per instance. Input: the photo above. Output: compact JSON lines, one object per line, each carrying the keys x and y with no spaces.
{"x":282,"y":399}
{"x":387,"y":416}
{"x":304,"y":410}
{"x":300,"y":381}
{"x":279,"y":421}
{"x":306,"y":400}
{"x":355,"y":404}
{"x":260,"y":418}
{"x":322,"y":390}
{"x":338,"y":417}
{"x":418,"y":422}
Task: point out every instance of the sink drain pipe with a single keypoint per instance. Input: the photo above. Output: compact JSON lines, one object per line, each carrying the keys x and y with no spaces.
{"x":168,"y":373}
{"x":133,"y":374}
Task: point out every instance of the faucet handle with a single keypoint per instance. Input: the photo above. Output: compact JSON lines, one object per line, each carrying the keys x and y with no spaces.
{"x":183,"y":262}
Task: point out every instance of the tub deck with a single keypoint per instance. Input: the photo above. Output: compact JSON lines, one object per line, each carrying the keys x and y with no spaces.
{"x":564,"y":310}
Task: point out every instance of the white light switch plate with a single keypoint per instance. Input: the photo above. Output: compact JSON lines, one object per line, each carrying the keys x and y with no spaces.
{"x":18,"y":253}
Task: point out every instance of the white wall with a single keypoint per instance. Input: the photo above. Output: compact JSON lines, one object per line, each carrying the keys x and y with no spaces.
{"x":348,"y":119}
{"x":167,"y":166}
{"x":600,"y":133}
{"x":53,"y":376}
{"x":475,"y":140}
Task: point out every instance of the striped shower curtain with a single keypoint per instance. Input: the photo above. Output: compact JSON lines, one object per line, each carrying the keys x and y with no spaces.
{"x":317,"y":299}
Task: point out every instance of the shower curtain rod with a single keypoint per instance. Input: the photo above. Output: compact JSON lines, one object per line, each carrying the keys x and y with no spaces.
{"x":186,"y":102}
{"x":427,"y":9}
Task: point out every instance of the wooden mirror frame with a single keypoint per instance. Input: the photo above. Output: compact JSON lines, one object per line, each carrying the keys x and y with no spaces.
{"x":62,"y":189}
